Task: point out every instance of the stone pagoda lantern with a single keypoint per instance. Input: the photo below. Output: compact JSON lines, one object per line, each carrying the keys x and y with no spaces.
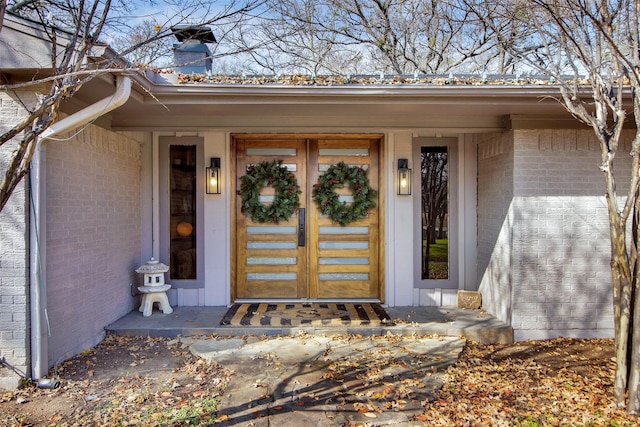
{"x":154,"y":289}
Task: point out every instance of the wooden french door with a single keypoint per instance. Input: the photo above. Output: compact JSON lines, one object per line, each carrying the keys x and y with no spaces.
{"x":308,"y":256}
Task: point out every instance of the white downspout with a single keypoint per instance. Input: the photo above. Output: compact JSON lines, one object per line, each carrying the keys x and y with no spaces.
{"x":37,"y":247}
{"x":93,"y":111}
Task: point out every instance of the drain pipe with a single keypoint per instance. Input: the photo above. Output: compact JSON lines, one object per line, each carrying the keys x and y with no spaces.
{"x":37,"y":248}
{"x":93,"y":111}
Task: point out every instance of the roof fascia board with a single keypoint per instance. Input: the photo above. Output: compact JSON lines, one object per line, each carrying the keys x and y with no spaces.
{"x":353,"y":95}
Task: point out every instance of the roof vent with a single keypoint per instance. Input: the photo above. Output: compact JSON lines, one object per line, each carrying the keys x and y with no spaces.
{"x":191,"y":54}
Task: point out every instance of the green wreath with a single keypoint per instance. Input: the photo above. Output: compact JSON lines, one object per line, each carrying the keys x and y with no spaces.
{"x":337,"y":176}
{"x":286,"y":199}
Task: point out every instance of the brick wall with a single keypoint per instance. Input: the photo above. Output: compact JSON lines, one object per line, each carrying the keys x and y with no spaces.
{"x":543,"y":237}
{"x":561,"y":275}
{"x":495,"y":194}
{"x":93,"y":230}
{"x":14,"y":269}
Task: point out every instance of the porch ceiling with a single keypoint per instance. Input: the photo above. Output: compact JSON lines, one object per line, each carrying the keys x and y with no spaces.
{"x":239,"y":107}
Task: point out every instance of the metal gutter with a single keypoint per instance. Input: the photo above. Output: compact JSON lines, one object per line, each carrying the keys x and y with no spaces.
{"x":353,"y":95}
{"x":352,"y":89}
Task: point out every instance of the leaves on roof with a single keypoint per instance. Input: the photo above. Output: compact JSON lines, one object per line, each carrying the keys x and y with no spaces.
{"x":364,"y":80}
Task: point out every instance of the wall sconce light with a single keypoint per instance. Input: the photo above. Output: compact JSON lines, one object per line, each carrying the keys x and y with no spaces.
{"x":213,"y":176}
{"x":404,"y":177}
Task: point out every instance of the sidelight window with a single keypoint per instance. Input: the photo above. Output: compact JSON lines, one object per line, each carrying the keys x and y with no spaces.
{"x":435,"y":212}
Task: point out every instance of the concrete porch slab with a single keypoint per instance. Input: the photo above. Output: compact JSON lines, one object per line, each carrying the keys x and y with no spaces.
{"x":476,"y":325}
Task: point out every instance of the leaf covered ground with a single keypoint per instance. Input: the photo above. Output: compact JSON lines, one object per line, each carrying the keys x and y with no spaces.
{"x":156,"y":381}
{"x":558,"y":382}
{"x":123,"y":381}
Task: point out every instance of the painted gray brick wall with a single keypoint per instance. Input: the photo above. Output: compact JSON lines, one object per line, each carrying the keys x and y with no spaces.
{"x":495,"y":193}
{"x":562,"y":284}
{"x":551,"y":253}
{"x":14,"y":268}
{"x":93,"y":229}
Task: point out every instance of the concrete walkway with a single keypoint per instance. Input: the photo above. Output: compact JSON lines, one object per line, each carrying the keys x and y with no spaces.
{"x":330,"y":376}
{"x":476,"y":325}
{"x":319,"y":380}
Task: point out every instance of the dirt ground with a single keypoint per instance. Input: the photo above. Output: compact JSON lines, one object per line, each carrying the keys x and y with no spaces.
{"x":122,"y":381}
{"x":156,"y":381}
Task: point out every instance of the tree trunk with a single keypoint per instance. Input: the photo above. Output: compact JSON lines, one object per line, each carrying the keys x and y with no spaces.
{"x":441,"y":227}
{"x":621,"y":282}
{"x":425,"y":259}
{"x":633,"y":405}
{"x":432,"y":232}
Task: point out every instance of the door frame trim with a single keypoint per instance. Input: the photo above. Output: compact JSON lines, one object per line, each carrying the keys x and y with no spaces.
{"x":381,"y":185}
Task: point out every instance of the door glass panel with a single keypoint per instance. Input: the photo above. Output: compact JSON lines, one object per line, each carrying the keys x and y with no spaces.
{"x":364,"y":152}
{"x":343,"y":245}
{"x":343,"y":261}
{"x":435,"y":212}
{"x":291,"y":167}
{"x":271,"y":230}
{"x":271,"y":276}
{"x":344,"y":276}
{"x":182,"y":208}
{"x":271,"y":245}
{"x":344,"y":230}
{"x":323,"y":167}
{"x":270,"y":261}
{"x":271,"y":151}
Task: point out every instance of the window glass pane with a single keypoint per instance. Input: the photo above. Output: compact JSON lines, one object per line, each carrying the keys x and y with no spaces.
{"x":435,"y":212}
{"x":182,"y":208}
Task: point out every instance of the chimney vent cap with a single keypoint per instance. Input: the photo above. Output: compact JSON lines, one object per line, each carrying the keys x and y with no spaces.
{"x":186,"y":33}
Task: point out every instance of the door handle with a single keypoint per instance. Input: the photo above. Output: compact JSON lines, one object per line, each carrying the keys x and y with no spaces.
{"x":301,"y":228}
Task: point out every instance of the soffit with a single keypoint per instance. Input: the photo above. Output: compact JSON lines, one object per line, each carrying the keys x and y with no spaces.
{"x":271,"y":106}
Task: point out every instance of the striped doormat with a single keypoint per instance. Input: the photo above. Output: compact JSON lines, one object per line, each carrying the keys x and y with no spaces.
{"x":306,"y":314}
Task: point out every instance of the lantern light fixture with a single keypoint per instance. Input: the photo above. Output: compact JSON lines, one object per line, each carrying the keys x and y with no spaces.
{"x":213,"y":176}
{"x":404,"y":178}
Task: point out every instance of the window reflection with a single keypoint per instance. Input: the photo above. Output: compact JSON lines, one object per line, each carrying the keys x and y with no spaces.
{"x":435,"y":213}
{"x":182,"y":246}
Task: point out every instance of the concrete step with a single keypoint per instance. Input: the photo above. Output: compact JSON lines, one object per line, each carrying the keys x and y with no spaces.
{"x":476,"y":325}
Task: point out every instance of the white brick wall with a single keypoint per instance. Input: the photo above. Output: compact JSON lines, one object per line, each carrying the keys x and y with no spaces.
{"x":93,"y":236}
{"x":14,"y":271}
{"x":552,"y":243}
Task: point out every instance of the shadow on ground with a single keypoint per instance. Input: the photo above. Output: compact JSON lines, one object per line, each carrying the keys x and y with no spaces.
{"x":329,"y":380}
